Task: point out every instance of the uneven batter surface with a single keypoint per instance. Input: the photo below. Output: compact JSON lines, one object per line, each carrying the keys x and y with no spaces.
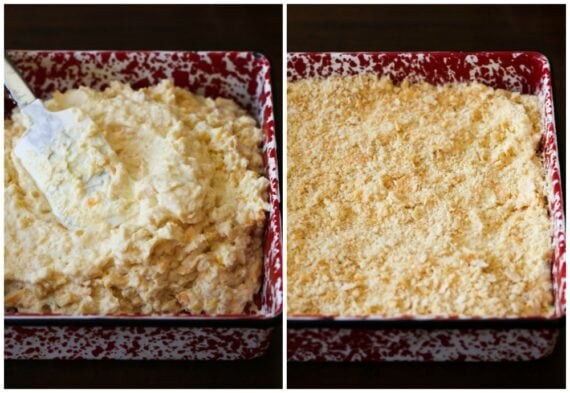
{"x":415,"y":199}
{"x":190,"y":237}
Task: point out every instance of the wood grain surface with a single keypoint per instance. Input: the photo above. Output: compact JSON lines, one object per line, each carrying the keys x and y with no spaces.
{"x":255,"y":28}
{"x":432,"y":28}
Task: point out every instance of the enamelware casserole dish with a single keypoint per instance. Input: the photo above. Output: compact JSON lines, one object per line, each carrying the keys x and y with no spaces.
{"x":242,"y":76}
{"x":445,"y":338}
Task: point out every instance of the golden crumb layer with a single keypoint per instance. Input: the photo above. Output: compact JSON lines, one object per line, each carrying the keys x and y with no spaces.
{"x":191,"y":171}
{"x":415,"y":199}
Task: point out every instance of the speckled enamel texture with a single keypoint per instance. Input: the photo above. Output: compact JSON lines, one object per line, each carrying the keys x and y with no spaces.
{"x":241,"y":76}
{"x":487,"y":345}
{"x":136,"y":343}
{"x":525,"y":72}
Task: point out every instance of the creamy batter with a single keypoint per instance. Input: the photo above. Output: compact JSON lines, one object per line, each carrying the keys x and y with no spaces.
{"x":189,"y":196}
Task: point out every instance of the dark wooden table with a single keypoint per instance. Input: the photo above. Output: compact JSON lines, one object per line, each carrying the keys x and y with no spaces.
{"x":255,"y":28}
{"x":425,"y":28}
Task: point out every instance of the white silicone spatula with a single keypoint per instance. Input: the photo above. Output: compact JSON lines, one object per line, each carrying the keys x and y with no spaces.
{"x":70,"y":161}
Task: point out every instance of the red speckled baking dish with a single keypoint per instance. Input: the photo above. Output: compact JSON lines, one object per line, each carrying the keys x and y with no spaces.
{"x":242,"y":76}
{"x":324,"y":338}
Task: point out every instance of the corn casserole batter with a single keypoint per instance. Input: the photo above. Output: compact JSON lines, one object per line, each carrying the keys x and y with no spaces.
{"x":415,"y":200}
{"x":189,"y":238}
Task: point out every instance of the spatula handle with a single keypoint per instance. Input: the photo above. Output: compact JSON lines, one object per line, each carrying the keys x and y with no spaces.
{"x":19,"y":90}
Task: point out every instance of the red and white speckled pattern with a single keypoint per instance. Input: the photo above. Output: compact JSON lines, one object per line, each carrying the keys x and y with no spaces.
{"x":168,"y":343}
{"x":242,"y":76}
{"x":514,"y":71}
{"x":526,"y":72}
{"x":349,"y":345}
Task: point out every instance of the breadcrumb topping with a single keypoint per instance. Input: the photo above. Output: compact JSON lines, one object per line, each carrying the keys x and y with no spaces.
{"x":415,"y":200}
